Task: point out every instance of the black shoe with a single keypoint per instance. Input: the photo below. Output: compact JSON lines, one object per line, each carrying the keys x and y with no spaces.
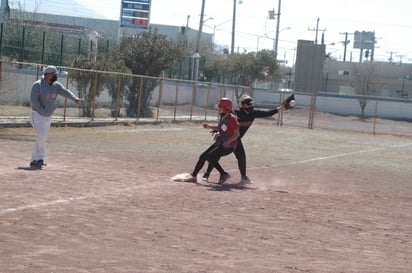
{"x":41,"y":163}
{"x":33,"y":163}
{"x":246,"y":180}
{"x":223,"y":178}
{"x":205,"y":177}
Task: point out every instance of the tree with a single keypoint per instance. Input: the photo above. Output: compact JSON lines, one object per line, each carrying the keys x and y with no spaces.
{"x":268,"y":66}
{"x":243,"y":68}
{"x":216,"y":69}
{"x":113,"y":62}
{"x":147,"y":54}
{"x":86,"y":80}
{"x":364,"y":81}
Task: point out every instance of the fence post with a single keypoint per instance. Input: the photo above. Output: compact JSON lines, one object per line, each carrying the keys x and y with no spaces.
{"x":159,"y":99}
{"x":65,"y":100}
{"x":96,"y":78}
{"x":139,"y":98}
{"x":1,"y":39}
{"x":193,"y":98}
{"x":117,"y":109}
{"x":280,"y":115}
{"x":176,"y":96}
{"x":376,"y":115}
{"x":312,"y":109}
{"x":207,"y":99}
{"x":38,"y":72}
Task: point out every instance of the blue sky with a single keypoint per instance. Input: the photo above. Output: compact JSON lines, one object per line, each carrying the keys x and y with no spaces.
{"x":390,"y":20}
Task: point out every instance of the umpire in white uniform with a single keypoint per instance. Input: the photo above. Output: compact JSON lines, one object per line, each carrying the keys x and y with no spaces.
{"x":43,"y":100}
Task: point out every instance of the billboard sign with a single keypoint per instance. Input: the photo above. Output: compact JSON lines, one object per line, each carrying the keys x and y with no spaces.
{"x":135,"y":14}
{"x":364,"y":40}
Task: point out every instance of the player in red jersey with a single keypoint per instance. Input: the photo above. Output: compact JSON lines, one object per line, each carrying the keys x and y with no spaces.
{"x":228,"y":130}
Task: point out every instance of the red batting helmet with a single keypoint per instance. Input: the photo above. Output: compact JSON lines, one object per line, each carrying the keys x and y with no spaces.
{"x":225,"y":104}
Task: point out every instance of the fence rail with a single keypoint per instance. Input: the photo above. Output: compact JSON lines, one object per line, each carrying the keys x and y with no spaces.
{"x":185,"y":100}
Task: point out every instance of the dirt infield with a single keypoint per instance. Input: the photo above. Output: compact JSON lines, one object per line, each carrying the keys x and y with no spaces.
{"x":322,"y":201}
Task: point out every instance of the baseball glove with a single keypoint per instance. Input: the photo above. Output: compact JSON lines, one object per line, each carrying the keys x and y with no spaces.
{"x":289,"y":102}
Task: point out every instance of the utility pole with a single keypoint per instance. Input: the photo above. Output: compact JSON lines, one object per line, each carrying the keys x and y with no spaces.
{"x":373,"y":46}
{"x":391,"y":56}
{"x":277,"y":31}
{"x":196,"y":56}
{"x":345,"y":43}
{"x":272,"y":16}
{"x":232,"y":47}
{"x":400,"y":58}
{"x":317,"y":30}
{"x":200,"y":26}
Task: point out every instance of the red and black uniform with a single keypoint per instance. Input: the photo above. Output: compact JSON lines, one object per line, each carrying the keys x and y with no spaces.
{"x":245,"y":120}
{"x":227,"y":126}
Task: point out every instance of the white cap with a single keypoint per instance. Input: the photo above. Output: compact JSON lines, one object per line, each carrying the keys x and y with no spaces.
{"x":50,"y":69}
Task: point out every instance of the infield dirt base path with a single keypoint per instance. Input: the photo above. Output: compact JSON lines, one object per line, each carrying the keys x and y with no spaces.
{"x":322,"y":201}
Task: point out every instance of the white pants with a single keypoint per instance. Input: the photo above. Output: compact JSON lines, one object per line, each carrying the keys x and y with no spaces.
{"x":41,"y":126}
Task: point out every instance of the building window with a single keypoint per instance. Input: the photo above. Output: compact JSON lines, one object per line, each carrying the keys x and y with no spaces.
{"x":343,"y":73}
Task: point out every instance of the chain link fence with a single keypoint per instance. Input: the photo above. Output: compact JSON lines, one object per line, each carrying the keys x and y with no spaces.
{"x":112,"y":98}
{"x":29,"y":41}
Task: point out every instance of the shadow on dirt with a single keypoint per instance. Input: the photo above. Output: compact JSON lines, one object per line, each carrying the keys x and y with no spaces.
{"x":28,"y":169}
{"x":225,"y":187}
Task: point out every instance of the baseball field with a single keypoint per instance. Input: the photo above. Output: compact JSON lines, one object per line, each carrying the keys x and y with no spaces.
{"x":322,"y":201}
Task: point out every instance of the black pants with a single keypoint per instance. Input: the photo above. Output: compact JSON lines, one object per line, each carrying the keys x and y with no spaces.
{"x":212,"y":155}
{"x":241,"y":159}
